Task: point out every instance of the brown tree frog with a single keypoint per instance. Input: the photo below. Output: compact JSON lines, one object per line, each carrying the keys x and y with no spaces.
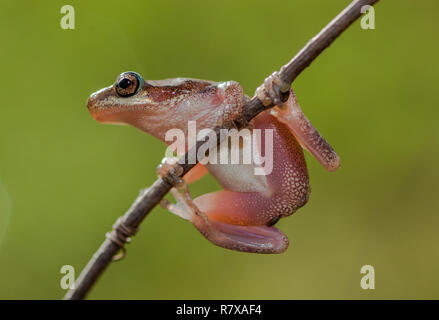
{"x":240,"y":217}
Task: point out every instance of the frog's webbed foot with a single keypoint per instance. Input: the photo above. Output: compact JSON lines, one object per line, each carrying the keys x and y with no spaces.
{"x":273,"y":90}
{"x":184,"y":207}
{"x":257,"y":239}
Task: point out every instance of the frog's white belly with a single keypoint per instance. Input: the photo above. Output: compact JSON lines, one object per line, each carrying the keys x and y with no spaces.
{"x":239,"y":176}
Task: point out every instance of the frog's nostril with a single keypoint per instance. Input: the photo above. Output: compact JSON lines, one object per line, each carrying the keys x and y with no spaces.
{"x":94,"y":99}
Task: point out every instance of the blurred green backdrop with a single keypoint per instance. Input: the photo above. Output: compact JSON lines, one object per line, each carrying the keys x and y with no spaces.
{"x":65,"y":178}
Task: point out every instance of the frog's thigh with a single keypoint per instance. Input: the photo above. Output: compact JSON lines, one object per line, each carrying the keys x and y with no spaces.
{"x":238,"y":208}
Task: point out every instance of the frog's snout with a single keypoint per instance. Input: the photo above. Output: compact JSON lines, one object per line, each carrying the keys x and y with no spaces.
{"x":98,"y":102}
{"x":91,"y":102}
{"x":92,"y":105}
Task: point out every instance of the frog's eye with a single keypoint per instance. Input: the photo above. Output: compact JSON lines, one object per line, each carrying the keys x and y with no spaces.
{"x":128,"y":83}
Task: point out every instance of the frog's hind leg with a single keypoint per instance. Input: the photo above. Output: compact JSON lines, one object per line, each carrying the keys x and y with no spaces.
{"x":195,"y":173}
{"x":256,"y":238}
{"x":253,"y":238}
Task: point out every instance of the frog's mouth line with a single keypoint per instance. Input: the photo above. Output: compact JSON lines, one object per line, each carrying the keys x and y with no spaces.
{"x":114,"y":114}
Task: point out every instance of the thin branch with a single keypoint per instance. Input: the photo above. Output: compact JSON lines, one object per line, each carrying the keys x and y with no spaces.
{"x":127,"y":225}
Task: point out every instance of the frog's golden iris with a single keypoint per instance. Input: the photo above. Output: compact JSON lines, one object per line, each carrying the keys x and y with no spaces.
{"x":127,"y":84}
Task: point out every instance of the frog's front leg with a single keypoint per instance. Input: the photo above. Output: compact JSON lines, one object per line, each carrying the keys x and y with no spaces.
{"x":290,"y":114}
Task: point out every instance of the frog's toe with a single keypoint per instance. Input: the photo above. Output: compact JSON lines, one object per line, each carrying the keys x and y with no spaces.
{"x":184,"y":207}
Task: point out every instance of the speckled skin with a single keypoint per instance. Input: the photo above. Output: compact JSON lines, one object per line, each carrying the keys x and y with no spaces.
{"x":288,"y":184}
{"x":241,"y":216}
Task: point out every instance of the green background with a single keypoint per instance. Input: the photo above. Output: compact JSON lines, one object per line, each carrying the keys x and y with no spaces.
{"x":66,"y":178}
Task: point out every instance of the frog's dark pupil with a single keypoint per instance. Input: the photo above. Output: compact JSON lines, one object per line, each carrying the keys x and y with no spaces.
{"x":124,"y":83}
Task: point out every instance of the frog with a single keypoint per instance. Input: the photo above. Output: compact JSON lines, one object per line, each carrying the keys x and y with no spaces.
{"x":241,"y":216}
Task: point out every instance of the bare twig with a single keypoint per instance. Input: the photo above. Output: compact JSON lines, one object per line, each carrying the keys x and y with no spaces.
{"x":127,"y":225}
